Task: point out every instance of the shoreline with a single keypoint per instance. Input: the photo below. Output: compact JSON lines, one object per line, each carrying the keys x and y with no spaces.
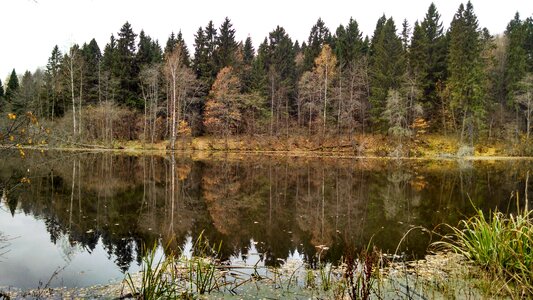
{"x":280,"y":153}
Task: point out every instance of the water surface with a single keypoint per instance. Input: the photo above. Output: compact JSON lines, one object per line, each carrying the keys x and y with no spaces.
{"x":84,"y":217}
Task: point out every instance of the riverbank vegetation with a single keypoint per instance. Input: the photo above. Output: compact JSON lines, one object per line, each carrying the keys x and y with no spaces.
{"x":400,"y":83}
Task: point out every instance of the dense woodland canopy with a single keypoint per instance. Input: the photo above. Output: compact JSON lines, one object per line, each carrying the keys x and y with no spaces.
{"x":459,"y":80}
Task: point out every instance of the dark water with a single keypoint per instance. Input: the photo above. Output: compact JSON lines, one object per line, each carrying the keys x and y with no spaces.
{"x":86,"y":216}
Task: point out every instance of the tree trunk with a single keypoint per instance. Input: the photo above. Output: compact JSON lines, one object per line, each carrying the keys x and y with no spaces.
{"x":73,"y":97}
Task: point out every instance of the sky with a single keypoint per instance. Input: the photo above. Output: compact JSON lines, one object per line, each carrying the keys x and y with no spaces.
{"x":31,"y":28}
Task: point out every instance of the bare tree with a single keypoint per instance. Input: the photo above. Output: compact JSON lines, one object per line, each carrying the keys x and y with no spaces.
{"x":181,"y":81}
{"x":150,"y":91}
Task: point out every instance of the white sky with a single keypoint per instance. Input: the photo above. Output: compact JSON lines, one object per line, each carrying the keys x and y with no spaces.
{"x":30,"y":28}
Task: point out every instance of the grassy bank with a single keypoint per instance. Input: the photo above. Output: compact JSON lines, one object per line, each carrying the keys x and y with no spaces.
{"x":372,"y":145}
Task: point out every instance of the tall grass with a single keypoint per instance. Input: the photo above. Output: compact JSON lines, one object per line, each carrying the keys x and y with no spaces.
{"x":157,"y":279}
{"x":500,"y":243}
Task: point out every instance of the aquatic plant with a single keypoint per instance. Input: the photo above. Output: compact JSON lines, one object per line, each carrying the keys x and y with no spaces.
{"x":500,"y":243}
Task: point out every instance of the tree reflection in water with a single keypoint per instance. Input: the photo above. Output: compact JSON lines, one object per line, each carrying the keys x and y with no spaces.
{"x":284,"y":205}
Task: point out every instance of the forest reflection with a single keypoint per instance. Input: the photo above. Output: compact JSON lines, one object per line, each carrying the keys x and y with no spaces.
{"x":284,"y":204}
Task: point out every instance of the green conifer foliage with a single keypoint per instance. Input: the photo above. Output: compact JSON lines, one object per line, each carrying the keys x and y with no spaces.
{"x":466,"y":76}
{"x":387,"y":66}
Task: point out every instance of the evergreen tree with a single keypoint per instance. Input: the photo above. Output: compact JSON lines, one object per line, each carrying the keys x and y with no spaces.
{"x":377,"y":34}
{"x":528,"y":44}
{"x":1,"y":90}
{"x":171,"y":42}
{"x":387,"y":67}
{"x":127,"y":70}
{"x":226,"y":46}
{"x":318,"y":36}
{"x":211,"y":37}
{"x":53,"y":84}
{"x":259,"y":78}
{"x":406,"y":32}
{"x":200,"y":63}
{"x":348,"y":43}
{"x":91,"y":58}
{"x":516,"y":55}
{"x":281,"y":69}
{"x":248,"y":51}
{"x":109,"y":58}
{"x":427,"y":58}
{"x":465,"y":66}
{"x":149,"y":51}
{"x":12,"y":87}
{"x":186,"y":56}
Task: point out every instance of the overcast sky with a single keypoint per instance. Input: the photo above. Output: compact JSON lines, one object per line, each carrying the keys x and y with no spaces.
{"x":30,"y":28}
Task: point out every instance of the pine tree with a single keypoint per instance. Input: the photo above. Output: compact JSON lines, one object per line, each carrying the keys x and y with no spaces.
{"x":387,"y":67}
{"x":465,"y":66}
{"x":226,"y":46}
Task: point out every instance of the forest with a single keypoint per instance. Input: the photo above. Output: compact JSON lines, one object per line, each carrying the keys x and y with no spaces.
{"x":403,"y":81}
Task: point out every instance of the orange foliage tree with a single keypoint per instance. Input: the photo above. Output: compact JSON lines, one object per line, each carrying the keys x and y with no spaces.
{"x":222,"y":110}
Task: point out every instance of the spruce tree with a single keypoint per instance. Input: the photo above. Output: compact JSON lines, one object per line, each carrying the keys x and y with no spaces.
{"x":12,"y":87}
{"x":318,"y":36}
{"x":348,"y":43}
{"x":186,"y":56}
{"x":211,"y":37}
{"x":201,"y":60}
{"x":427,"y":59}
{"x":516,"y":56}
{"x":109,"y":58}
{"x":248,"y":51}
{"x":466,"y":77}
{"x":1,"y":91}
{"x":226,"y":46}
{"x":246,"y":68}
{"x":528,"y":43}
{"x":52,"y":83}
{"x":127,"y":70}
{"x":91,"y":61}
{"x":149,"y":51}
{"x":387,"y":67}
{"x":259,"y":78}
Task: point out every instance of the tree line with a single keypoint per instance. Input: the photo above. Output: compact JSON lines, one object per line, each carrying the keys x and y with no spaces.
{"x":401,"y":81}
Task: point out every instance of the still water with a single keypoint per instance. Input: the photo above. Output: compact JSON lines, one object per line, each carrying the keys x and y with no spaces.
{"x":83,"y":218}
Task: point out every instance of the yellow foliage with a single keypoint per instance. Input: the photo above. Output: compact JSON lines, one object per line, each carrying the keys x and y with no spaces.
{"x":184,"y":129}
{"x":11,"y":116}
{"x":25,"y":180}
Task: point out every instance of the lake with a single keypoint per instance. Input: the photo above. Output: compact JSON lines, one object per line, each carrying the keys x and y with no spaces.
{"x":82,"y":218}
